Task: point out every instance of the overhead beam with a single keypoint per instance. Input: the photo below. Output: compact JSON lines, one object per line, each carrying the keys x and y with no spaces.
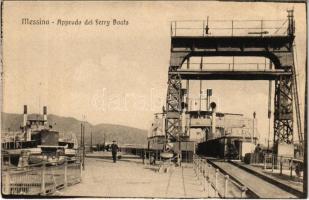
{"x":229,"y":75}
{"x":214,"y":42}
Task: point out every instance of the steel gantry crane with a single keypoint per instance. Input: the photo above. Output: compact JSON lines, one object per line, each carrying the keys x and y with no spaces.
{"x":274,"y":43}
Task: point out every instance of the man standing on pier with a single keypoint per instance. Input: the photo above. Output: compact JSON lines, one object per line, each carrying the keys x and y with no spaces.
{"x":114,"y":148}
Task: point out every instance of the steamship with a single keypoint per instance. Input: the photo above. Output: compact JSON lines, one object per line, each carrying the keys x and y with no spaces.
{"x":36,"y":142}
{"x":207,"y":132}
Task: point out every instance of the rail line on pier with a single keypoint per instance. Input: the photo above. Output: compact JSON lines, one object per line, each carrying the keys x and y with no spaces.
{"x":257,"y":186}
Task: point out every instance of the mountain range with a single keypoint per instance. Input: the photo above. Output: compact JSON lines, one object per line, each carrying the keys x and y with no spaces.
{"x":68,"y":125}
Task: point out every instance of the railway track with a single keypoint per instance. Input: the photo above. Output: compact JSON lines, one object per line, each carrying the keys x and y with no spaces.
{"x":257,"y":186}
{"x":178,"y":180}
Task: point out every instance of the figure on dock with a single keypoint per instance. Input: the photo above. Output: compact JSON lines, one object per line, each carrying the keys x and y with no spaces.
{"x":114,"y":148}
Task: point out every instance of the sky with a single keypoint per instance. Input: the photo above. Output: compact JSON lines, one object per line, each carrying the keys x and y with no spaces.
{"x":118,"y":73}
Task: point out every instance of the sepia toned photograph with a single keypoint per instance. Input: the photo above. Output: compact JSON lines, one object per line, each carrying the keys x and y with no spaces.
{"x":154,"y":99}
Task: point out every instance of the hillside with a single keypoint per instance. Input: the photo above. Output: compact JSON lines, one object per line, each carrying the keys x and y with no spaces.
{"x":66,"y":125}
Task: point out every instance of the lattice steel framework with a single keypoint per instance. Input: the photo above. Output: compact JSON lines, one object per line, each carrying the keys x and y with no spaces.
{"x":173,"y":105}
{"x":283,"y":113}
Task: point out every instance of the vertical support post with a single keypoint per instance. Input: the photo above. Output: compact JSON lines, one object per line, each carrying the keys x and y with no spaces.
{"x":291,"y":27}
{"x":216,"y":181}
{"x":179,"y":159}
{"x":203,"y":27}
{"x":201,"y":167}
{"x":2,"y":159}
{"x":193,"y":164}
{"x":157,"y":155}
{"x":65,"y":172}
{"x":201,"y":85}
{"x":261,"y":28}
{"x":226,"y":177}
{"x":175,"y":27}
{"x":198,"y":168}
{"x":208,"y":170}
{"x":253,"y":131}
{"x":43,"y":190}
{"x":7,"y":183}
{"x":232,"y":28}
{"x":291,"y":168}
{"x":269,"y":105}
{"x":265,"y":157}
{"x":80,"y":170}
{"x":272,"y":162}
{"x":188,"y":83}
{"x":204,"y":175}
{"x":196,"y":164}
{"x":243,"y":192}
{"x":208,"y":186}
{"x":81,"y":134}
{"x":208,"y":181}
{"x":83,"y":146}
{"x":280,"y":165}
{"x":91,"y":141}
{"x":207,"y":27}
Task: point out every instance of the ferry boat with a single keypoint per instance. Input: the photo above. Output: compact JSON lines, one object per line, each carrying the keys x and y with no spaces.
{"x":208,"y":133}
{"x":36,"y":142}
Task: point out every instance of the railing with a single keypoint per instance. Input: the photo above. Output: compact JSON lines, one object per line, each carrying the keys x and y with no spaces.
{"x":230,"y":28}
{"x":40,"y":179}
{"x":213,"y":178}
{"x":229,"y":66}
{"x":283,"y":163}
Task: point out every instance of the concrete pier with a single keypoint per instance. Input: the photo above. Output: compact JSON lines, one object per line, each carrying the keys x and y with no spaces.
{"x":129,"y":177}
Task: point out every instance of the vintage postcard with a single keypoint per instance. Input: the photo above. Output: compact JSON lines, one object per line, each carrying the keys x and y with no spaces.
{"x":154,"y":99}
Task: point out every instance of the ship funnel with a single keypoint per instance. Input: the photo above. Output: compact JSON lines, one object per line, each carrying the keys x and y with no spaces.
{"x":213,"y":106}
{"x":25,"y":116}
{"x":45,"y":114}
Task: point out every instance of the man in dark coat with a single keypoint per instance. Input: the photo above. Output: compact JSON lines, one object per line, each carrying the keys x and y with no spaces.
{"x":114,"y":148}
